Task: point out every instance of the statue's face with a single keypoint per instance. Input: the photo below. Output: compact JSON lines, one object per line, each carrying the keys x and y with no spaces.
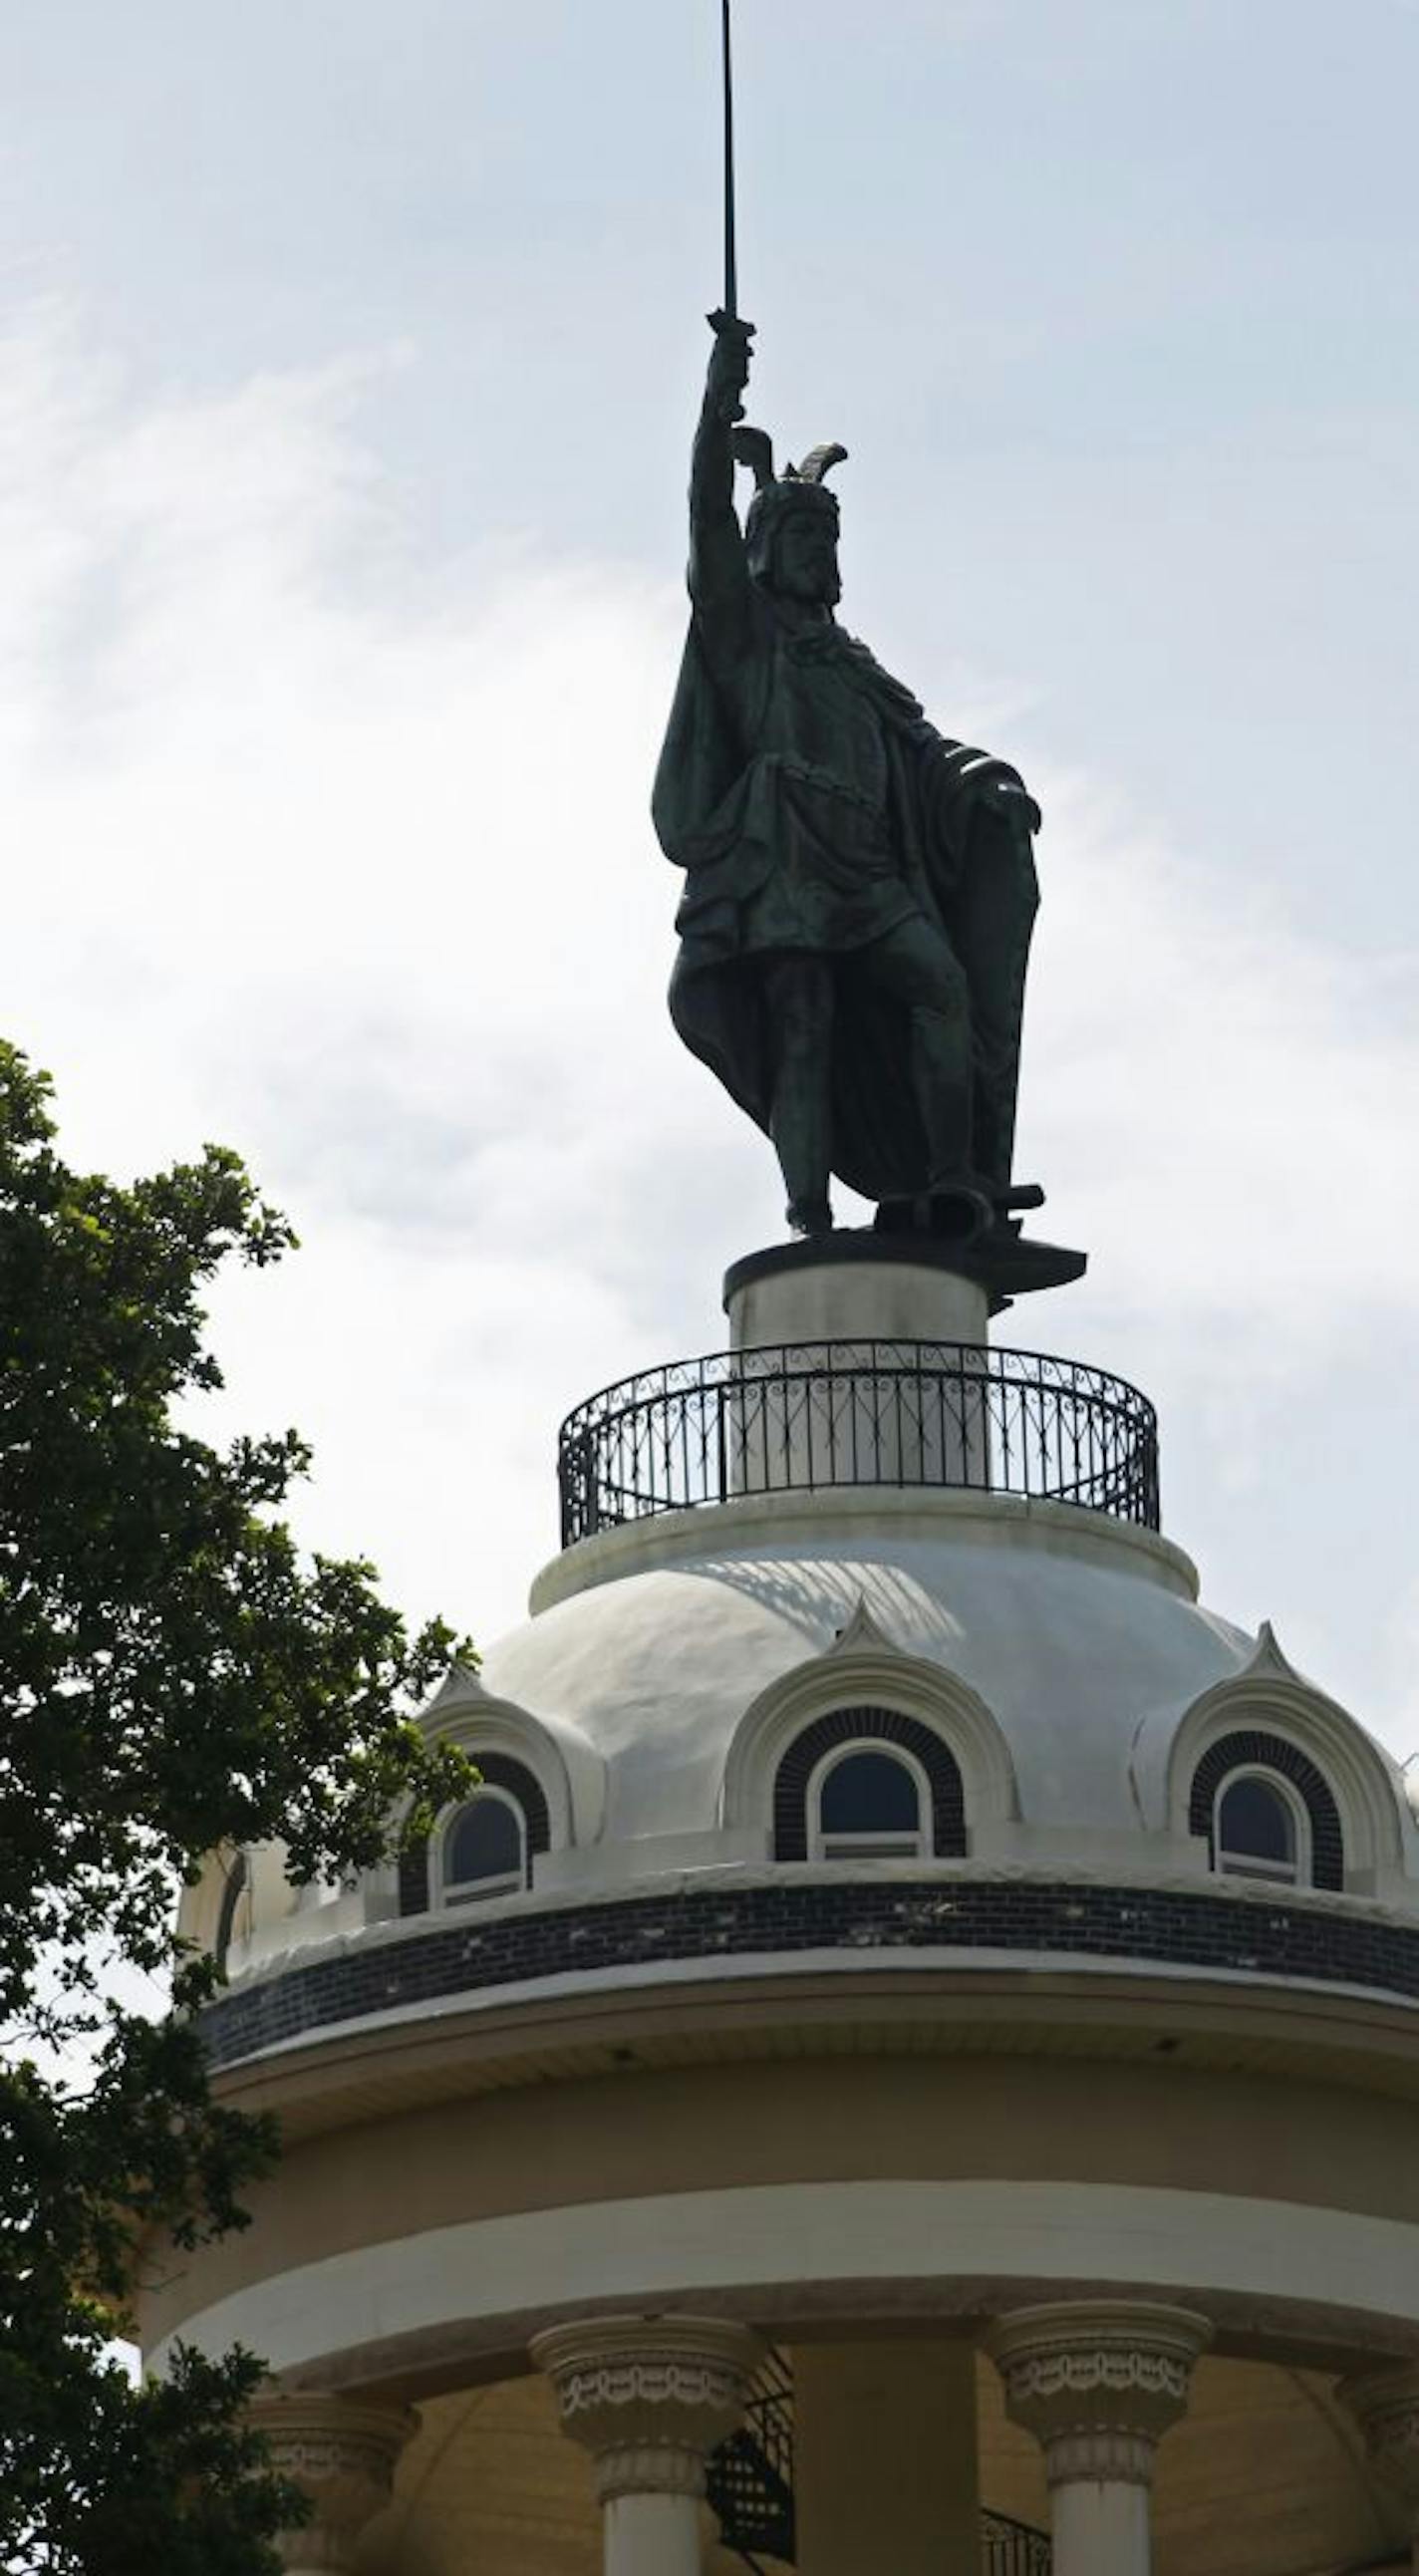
{"x":806,"y":557}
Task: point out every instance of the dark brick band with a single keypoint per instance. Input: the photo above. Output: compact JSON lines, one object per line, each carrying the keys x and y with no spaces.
{"x":1162,"y":1927}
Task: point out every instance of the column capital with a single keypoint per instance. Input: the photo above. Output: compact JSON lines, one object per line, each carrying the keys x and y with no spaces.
{"x":341,"y":2453}
{"x":1098,"y":2381}
{"x":1385,"y":2405}
{"x":649,"y":2397}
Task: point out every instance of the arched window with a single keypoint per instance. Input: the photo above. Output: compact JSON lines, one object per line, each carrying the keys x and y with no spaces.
{"x":484,"y":1849}
{"x":1270,"y":1790}
{"x":886,"y":1759}
{"x":488,"y":1840}
{"x":1260,"y":1829}
{"x":866,"y":1804}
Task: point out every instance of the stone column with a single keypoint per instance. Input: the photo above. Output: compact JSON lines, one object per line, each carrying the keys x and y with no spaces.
{"x":341,"y":2453}
{"x":1098,"y":2383}
{"x":884,"y":2458}
{"x":650,"y":2397}
{"x":1385,"y":2405}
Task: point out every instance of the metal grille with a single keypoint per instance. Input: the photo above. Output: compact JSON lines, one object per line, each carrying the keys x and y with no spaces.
{"x":814,"y":1414}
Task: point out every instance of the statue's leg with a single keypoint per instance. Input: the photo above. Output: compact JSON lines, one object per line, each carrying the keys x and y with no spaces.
{"x":916,"y":965}
{"x":992,"y":915}
{"x":799,"y":1000}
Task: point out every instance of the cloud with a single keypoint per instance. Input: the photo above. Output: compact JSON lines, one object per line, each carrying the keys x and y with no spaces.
{"x":1228,"y":1101}
{"x":344,"y":857}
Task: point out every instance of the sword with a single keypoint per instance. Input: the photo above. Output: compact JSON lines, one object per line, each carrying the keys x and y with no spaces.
{"x":731,"y":266}
{"x":725,"y":322}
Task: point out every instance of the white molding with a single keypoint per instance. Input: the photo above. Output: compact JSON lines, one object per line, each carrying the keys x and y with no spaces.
{"x":1280,"y":1786}
{"x":1270,"y":1696}
{"x":453,"y":1894}
{"x":861,"y":1671}
{"x":889,"y":1752}
{"x":926,"y":2242}
{"x":477,"y":1723}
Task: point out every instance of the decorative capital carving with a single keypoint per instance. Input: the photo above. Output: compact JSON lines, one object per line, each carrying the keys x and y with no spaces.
{"x":1098,"y":2382}
{"x":341,"y":2453}
{"x":649,"y":2397}
{"x":1385,"y":2405}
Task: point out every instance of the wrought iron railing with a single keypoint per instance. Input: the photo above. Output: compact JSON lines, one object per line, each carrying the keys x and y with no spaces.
{"x":1013,"y":2548}
{"x":750,"y":2486}
{"x":750,"y":2489}
{"x":750,"y":2477}
{"x":813,"y":1414}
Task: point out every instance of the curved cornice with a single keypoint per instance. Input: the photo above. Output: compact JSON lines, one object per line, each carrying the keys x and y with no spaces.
{"x":826,"y":1519}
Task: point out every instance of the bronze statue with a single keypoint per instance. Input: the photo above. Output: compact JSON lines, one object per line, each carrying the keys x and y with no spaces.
{"x":860,"y":889}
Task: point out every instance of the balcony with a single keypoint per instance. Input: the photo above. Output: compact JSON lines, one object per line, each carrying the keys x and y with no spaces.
{"x":796,"y":1418}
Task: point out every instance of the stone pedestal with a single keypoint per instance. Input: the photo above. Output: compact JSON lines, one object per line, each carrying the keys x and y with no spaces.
{"x":852,"y":1288}
{"x":650,"y":2399}
{"x":342,"y":2455}
{"x":1098,"y":2384}
{"x":1385,"y":2405}
{"x":882,"y":1388}
{"x":884,"y":2458}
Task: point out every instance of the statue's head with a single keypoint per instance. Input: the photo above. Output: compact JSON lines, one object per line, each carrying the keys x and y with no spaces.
{"x":792,"y":529}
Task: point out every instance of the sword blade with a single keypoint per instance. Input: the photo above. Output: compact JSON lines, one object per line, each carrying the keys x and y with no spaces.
{"x":731,"y":264}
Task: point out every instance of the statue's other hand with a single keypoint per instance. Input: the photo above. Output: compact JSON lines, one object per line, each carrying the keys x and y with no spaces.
{"x":729,"y":364}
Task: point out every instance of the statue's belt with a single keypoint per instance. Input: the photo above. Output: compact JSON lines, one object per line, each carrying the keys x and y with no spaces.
{"x":826,"y":782}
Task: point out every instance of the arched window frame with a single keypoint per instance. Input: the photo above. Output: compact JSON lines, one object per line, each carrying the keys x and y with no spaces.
{"x":1282,"y":1762}
{"x":510,"y":1751}
{"x":864,"y":1727}
{"x":868,"y":1846}
{"x":1251,"y":1865}
{"x":481,"y":1891}
{"x":1364,"y":1841}
{"x":862,"y":1670}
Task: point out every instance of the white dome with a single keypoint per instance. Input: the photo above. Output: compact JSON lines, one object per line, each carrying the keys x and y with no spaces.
{"x":673,"y":1704}
{"x":654,"y":1641}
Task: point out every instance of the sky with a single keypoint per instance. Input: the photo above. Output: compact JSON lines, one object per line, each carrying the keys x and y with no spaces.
{"x":351,"y":354}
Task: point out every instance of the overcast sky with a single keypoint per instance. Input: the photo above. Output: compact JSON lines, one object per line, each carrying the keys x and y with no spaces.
{"x":352,"y":351}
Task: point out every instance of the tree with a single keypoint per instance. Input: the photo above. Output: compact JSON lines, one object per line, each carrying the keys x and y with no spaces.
{"x":174,"y":1676}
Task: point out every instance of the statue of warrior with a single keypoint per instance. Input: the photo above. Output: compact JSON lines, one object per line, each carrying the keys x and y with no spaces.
{"x":860,"y":890}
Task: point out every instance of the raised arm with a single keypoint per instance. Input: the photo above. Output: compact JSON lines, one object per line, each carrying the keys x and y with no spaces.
{"x":719,"y":569}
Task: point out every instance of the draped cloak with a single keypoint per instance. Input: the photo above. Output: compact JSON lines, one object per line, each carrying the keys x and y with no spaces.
{"x":784,"y":849}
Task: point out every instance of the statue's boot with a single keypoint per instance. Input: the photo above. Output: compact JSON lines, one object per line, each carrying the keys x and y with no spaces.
{"x":810,"y":1216}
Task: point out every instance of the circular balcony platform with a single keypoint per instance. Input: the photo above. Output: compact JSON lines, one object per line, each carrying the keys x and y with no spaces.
{"x":802,"y":1416}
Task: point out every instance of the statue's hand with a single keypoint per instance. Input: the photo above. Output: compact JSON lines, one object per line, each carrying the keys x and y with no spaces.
{"x":729,"y":365}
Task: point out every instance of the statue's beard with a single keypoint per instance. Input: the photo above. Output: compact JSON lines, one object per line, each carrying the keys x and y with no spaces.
{"x":822,"y":593}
